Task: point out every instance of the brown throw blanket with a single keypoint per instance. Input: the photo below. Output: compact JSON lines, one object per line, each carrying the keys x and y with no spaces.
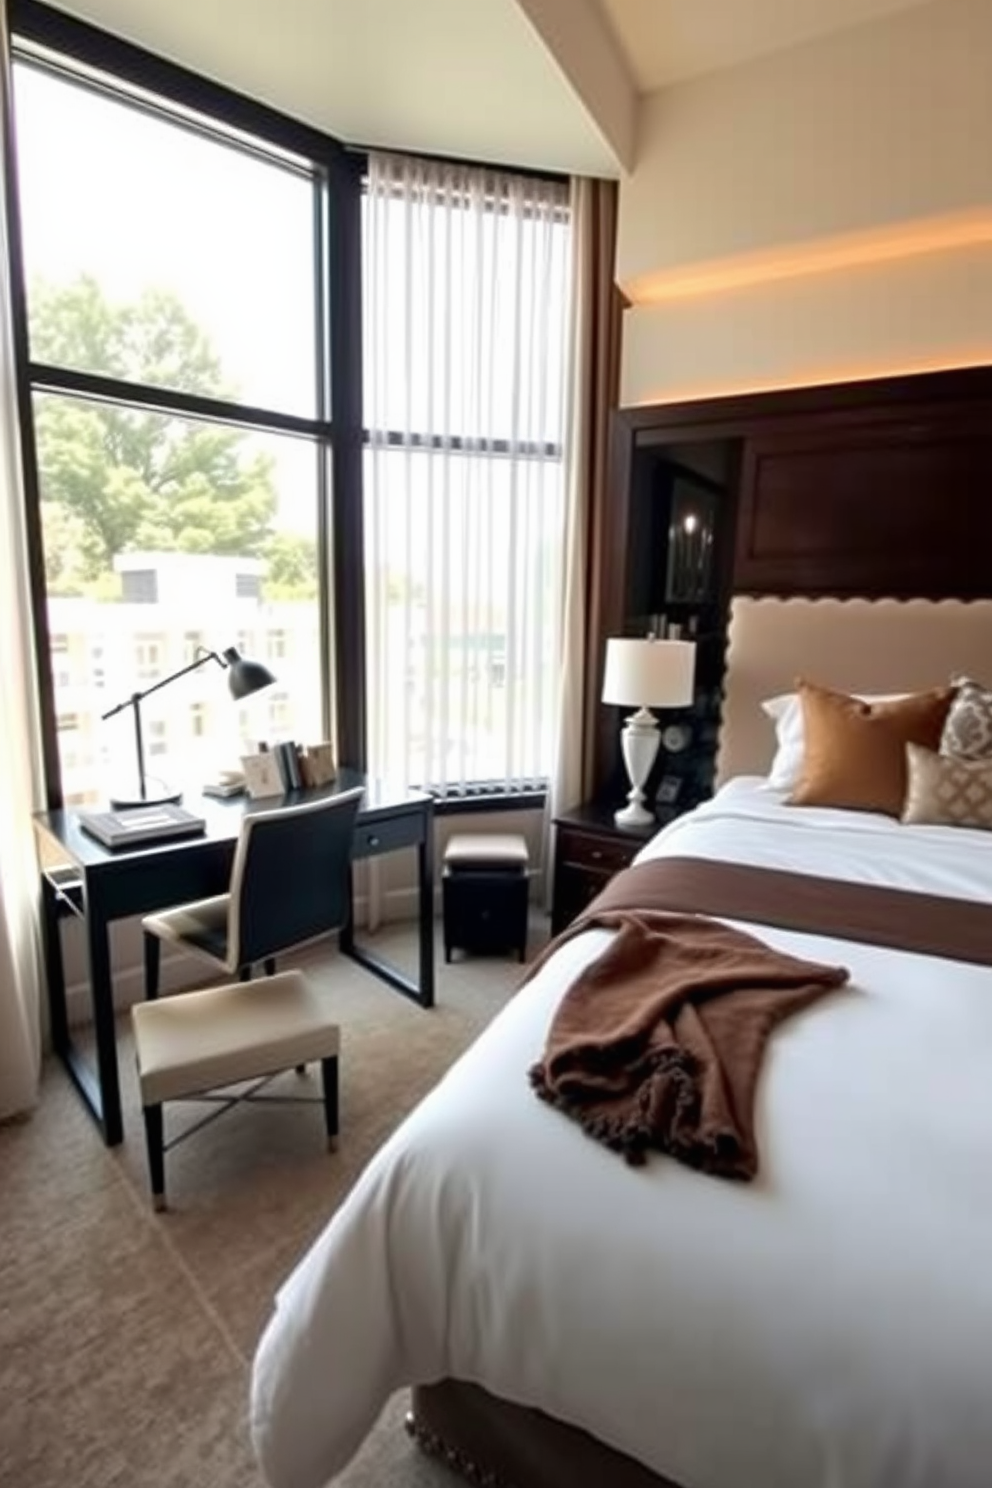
{"x":658,"y":1043}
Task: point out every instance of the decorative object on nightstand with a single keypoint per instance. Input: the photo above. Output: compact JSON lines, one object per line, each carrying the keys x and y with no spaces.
{"x":244,"y":677}
{"x":645,"y":673}
{"x":484,"y":890}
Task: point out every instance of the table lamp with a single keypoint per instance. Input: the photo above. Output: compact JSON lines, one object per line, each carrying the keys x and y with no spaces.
{"x":645,"y":673}
{"x":243,"y":678}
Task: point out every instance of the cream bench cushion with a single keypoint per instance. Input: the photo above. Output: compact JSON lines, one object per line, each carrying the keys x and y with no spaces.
{"x":504,"y":851}
{"x":196,"y":1041}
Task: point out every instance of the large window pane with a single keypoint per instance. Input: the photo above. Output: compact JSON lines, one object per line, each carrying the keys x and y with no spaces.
{"x":163,"y":536}
{"x":160,"y":256}
{"x":466,"y":277}
{"x":465,"y":306}
{"x":463,"y":616}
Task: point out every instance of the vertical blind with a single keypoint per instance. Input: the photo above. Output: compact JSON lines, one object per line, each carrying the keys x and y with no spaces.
{"x":466,"y":285}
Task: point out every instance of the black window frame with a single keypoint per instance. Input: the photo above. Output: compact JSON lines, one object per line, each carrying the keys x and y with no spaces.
{"x":336,"y":428}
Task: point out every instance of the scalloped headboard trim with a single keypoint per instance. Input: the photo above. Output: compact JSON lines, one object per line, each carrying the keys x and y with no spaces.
{"x":853,"y":645}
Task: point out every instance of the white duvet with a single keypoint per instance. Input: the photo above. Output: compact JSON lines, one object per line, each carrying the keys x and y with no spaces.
{"x":827,"y":1326}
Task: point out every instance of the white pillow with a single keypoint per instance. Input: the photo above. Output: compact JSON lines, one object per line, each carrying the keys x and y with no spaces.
{"x":786,"y":711}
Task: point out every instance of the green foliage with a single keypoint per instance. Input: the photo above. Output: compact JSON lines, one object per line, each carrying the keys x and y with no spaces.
{"x":115,"y":480}
{"x":292,"y":567}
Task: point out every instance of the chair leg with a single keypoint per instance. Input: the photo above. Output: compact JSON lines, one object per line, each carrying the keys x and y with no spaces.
{"x":244,"y":973}
{"x":154,"y":1140}
{"x":329,"y":1078}
{"x":153,"y":962}
{"x":269,"y":966}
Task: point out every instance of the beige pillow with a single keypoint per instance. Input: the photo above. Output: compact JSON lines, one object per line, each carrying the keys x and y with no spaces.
{"x":946,"y":791}
{"x":855,"y":756}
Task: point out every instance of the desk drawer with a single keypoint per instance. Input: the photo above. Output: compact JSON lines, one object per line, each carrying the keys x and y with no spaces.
{"x":388,"y":833}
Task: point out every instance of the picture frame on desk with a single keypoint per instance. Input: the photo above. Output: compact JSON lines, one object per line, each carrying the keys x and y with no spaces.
{"x":262,"y":775}
{"x":318,"y":765}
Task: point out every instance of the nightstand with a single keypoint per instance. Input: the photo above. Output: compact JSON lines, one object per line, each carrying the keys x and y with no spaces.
{"x":589,"y":849}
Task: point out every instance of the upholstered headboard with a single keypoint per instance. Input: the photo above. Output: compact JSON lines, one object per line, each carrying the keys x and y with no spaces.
{"x":854,"y":645}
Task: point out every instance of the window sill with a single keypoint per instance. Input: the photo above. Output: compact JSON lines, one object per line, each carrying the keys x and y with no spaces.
{"x":470,"y":805}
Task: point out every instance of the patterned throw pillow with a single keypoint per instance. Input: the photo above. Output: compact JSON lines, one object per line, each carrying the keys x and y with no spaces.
{"x":968,"y":730}
{"x":945,"y":791}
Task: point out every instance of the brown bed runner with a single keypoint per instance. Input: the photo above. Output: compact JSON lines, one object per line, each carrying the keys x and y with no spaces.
{"x":929,"y":925}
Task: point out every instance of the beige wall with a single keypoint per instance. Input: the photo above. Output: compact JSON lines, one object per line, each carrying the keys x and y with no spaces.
{"x":823,"y":212}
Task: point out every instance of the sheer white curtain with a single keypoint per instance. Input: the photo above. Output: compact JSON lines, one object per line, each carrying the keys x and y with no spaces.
{"x":19,"y":773}
{"x":466,"y":286}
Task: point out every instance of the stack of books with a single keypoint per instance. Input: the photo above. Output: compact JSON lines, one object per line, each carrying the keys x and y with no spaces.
{"x":279,"y":768}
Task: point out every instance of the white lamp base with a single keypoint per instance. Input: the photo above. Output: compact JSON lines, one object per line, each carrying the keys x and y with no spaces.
{"x":634,"y":814}
{"x":639,"y":745}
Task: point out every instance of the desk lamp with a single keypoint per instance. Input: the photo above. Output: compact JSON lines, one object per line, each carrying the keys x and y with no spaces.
{"x":645,"y":673}
{"x":243,"y":678}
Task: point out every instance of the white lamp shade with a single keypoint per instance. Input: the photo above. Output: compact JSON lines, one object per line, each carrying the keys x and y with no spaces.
{"x":648,"y":673}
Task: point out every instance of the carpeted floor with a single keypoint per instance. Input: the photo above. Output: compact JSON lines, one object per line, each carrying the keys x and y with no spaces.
{"x":126,"y":1336}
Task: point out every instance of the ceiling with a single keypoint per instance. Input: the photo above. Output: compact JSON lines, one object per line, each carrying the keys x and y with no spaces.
{"x":551,"y":84}
{"x":665,"y":41}
{"x":470,"y":78}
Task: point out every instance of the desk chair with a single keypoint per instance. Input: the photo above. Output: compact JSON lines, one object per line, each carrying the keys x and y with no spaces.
{"x":291,"y":882}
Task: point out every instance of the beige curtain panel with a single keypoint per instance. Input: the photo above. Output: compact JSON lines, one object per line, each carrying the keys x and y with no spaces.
{"x":596,"y":307}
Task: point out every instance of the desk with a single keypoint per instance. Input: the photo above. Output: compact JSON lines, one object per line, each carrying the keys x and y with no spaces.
{"x":107,"y":886}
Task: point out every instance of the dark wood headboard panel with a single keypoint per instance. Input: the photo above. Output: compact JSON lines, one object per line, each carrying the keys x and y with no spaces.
{"x":875,"y":489}
{"x":868,"y":488}
{"x":902,"y":507}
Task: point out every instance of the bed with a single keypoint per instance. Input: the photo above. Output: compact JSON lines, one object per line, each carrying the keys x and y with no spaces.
{"x":828,"y":1324}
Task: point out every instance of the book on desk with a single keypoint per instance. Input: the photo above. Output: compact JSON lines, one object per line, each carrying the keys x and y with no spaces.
{"x":136,"y":824}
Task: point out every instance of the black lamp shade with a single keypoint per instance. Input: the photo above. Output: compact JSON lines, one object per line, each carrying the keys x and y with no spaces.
{"x":245,"y":677}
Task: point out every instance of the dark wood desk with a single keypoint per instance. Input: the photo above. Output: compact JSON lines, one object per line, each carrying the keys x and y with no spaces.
{"x":104,"y":886}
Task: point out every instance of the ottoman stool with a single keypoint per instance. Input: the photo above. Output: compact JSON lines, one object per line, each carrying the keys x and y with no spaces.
{"x":484,"y":890}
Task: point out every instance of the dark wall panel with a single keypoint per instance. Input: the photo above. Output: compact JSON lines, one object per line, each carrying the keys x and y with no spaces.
{"x":901,"y":508}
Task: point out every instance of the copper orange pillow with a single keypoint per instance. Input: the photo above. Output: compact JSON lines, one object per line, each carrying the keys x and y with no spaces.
{"x":855,"y":755}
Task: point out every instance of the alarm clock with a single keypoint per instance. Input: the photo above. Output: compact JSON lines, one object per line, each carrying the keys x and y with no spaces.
{"x":676,"y":737}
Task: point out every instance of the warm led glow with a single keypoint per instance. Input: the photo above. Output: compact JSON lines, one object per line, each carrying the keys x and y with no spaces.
{"x":821,"y":377}
{"x":823,"y":256}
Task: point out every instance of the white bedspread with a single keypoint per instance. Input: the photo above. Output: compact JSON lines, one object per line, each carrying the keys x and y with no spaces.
{"x":828,"y":1326}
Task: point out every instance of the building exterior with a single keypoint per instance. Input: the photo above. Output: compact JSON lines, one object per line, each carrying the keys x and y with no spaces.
{"x":174,"y":606}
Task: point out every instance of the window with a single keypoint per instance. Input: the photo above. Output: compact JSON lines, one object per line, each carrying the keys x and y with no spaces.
{"x":248,"y":586}
{"x":278,"y":711}
{"x":179,"y":345}
{"x":139,"y":586}
{"x":466,"y":279}
{"x":198,"y":367}
{"x":148,"y":660}
{"x":157,"y":736}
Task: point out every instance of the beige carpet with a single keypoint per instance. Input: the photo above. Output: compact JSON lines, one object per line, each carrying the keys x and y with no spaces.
{"x":126,"y":1336}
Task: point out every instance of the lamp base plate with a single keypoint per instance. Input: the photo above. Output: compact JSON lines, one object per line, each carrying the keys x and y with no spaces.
{"x":161,"y":797}
{"x":634,"y":815}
